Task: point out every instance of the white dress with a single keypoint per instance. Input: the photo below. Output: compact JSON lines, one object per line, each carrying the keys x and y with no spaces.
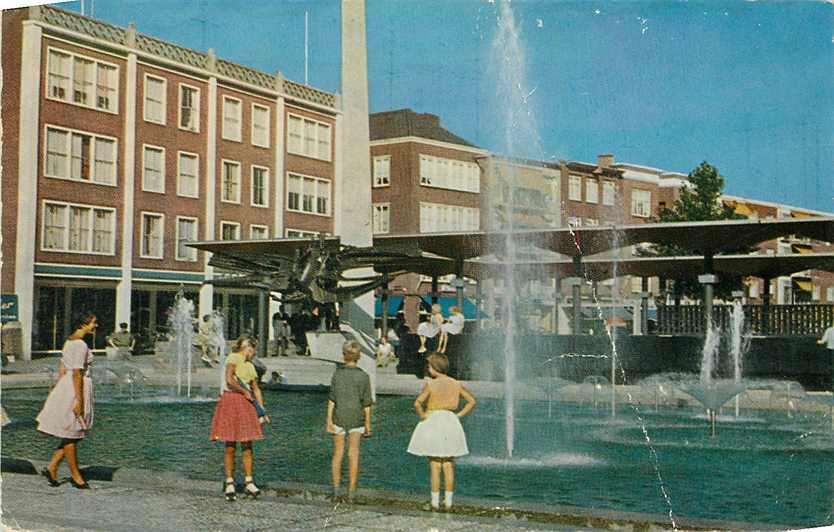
{"x":428,"y":329}
{"x":439,"y":435}
{"x":57,"y":417}
{"x":455,"y":325}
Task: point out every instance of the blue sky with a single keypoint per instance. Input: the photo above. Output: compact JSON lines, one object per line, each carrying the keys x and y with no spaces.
{"x":746,"y":85}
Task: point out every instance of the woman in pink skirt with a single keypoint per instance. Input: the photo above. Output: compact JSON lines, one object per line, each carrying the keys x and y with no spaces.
{"x":68,"y":411}
{"x":235,"y":418}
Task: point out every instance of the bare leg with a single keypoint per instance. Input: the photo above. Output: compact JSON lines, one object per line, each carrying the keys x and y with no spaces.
{"x":57,"y":456}
{"x":338,"y":454}
{"x":247,"y":458}
{"x":422,"y":348}
{"x":229,"y":459}
{"x":72,"y":462}
{"x":449,"y":474}
{"x":434,"y":473}
{"x":353,"y":460}
{"x":444,"y":338}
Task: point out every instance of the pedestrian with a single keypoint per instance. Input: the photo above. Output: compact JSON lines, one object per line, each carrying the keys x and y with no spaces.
{"x":439,"y":434}
{"x":236,"y":418}
{"x":348,"y":412}
{"x":123,"y":341}
{"x":454,"y":325}
{"x":68,"y":411}
{"x":828,"y":340}
{"x":385,"y":353}
{"x":430,"y":327}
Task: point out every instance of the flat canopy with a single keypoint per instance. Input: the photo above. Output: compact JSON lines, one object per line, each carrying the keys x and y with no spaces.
{"x":765,"y":266}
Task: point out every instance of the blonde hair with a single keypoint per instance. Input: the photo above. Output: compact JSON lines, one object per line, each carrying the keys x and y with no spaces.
{"x":351,"y":351}
{"x":438,"y":362}
{"x":244,"y":338}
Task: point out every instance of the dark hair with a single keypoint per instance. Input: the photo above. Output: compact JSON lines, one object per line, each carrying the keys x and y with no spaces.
{"x":244,"y":338}
{"x":439,"y":362}
{"x":123,"y":325}
{"x":82,"y":320}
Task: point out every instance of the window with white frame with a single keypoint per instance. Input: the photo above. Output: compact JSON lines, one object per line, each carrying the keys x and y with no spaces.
{"x":79,"y":80}
{"x":80,"y":156}
{"x":609,"y":192}
{"x":308,"y":194}
{"x":230,"y":182}
{"x":298,"y":233}
{"x":258,"y":232}
{"x":260,"y":186}
{"x":153,"y":169}
{"x":641,"y":203}
{"x":260,"y":125}
{"x":155,"y":99}
{"x":449,"y":173}
{"x":189,"y":108}
{"x":153,"y":231}
{"x":591,"y":191}
{"x":591,"y":222}
{"x":815,"y":293}
{"x":381,"y":218}
{"x":229,"y":231}
{"x":574,"y":221}
{"x":438,"y":217}
{"x":232,"y":118}
{"x":186,"y":232}
{"x":308,"y":137}
{"x":78,"y":228}
{"x":575,"y":188}
{"x":829,"y":294}
{"x":382,"y":171}
{"x":188,"y":181}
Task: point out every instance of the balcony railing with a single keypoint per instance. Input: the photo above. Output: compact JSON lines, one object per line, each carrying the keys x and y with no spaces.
{"x":773,"y":320}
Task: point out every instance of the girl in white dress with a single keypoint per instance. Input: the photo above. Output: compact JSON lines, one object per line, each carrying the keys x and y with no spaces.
{"x":439,"y":435}
{"x":68,"y":411}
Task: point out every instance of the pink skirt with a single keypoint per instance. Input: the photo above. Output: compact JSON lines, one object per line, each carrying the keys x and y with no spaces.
{"x":235,"y":419}
{"x":57,"y":417}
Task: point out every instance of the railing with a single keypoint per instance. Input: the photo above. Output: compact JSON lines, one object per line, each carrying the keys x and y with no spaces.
{"x":774,"y":320}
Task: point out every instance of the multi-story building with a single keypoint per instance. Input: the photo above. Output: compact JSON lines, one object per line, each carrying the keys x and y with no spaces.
{"x":119,"y":148}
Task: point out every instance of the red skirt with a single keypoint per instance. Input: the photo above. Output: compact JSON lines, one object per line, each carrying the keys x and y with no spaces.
{"x":235,"y":419}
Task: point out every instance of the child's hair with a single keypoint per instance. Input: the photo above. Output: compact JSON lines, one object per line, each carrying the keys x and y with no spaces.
{"x":83,"y":319}
{"x":351,"y":351}
{"x":244,"y":338}
{"x":435,"y":308}
{"x":438,"y":362}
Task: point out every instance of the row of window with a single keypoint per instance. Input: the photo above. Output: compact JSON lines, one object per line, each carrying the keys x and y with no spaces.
{"x":83,"y":81}
{"x":437,"y":217}
{"x":155,"y":107}
{"x":575,"y":221}
{"x":449,"y":173}
{"x":308,"y":137}
{"x":230,"y":184}
{"x":609,"y":190}
{"x":308,"y":194}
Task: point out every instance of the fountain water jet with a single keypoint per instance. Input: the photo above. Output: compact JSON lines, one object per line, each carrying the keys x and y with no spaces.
{"x":181,"y":326}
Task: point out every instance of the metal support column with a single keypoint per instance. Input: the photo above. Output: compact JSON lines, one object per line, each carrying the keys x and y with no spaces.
{"x":644,"y":306}
{"x":577,"y":295}
{"x":434,"y":289}
{"x":263,"y":322}
{"x":384,"y":331}
{"x":766,"y":307}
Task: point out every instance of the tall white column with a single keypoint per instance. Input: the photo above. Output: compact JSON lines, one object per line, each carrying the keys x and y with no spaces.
{"x":278,"y":179}
{"x":207,"y":290}
{"x":124,"y":288}
{"x":27,"y":191}
{"x":353,"y":220}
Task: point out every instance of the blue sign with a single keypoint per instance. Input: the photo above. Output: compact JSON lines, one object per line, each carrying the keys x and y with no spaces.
{"x":8,"y":308}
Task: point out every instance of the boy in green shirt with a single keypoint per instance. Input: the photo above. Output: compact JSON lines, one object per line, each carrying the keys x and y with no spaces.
{"x":348,"y":412}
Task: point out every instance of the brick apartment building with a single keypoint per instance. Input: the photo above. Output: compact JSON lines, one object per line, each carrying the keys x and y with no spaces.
{"x":119,"y":148}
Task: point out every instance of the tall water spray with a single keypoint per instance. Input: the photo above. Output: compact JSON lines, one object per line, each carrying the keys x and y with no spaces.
{"x":709,"y":354}
{"x":739,"y":342}
{"x":181,"y":325}
{"x":217,"y":340}
{"x":520,"y":136}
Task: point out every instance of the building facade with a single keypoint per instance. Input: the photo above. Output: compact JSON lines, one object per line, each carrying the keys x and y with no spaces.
{"x":120,"y":148}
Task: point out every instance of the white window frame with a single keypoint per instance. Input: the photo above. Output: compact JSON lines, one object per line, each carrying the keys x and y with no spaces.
{"x":70,"y":77}
{"x":68,"y":154}
{"x":634,"y":203}
{"x":223,"y":164}
{"x":379,"y":179}
{"x":252,"y":169}
{"x":591,"y":222}
{"x":319,"y":181}
{"x":142,"y":233}
{"x":574,"y":221}
{"x":145,"y":187}
{"x":252,"y":228}
{"x":300,"y":233}
{"x":177,"y":255}
{"x":442,"y":218}
{"x":196,"y":107}
{"x":829,"y":294}
{"x":91,"y":227}
{"x":591,"y":190}
{"x":609,"y":193}
{"x":234,"y":136}
{"x":256,"y":107}
{"x":164,"y":102}
{"x":196,"y":157}
{"x":314,"y":154}
{"x":574,"y":187}
{"x":236,"y":225}
{"x":380,"y":226}
{"x":449,"y":174}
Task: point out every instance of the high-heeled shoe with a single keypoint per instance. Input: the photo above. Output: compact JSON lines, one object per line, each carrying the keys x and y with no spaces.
{"x":53,"y":482}
{"x":82,"y":485}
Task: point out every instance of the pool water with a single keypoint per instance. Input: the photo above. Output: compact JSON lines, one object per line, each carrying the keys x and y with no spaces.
{"x":764,"y":468}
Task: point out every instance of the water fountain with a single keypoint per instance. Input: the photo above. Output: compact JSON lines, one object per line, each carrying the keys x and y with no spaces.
{"x":739,"y":344}
{"x":181,"y":327}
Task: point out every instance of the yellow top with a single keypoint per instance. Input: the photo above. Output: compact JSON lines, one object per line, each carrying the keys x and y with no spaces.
{"x":244,"y":370}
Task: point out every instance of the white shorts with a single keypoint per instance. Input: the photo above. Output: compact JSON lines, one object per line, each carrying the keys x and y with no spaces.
{"x":340,"y":430}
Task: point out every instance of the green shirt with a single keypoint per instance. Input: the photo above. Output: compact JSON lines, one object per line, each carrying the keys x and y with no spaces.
{"x":350,"y":390}
{"x":121,"y":339}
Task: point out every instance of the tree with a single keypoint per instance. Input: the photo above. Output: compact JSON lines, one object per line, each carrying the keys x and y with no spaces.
{"x":700,"y":200}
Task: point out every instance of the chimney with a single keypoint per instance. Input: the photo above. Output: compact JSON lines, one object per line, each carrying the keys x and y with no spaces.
{"x":605,"y":160}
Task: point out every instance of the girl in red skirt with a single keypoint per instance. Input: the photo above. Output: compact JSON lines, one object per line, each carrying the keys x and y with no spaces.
{"x":235,"y":418}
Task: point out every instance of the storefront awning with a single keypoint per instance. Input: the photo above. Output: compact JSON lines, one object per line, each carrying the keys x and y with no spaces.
{"x":394,"y":304}
{"x":803,"y":285}
{"x":469,"y":309}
